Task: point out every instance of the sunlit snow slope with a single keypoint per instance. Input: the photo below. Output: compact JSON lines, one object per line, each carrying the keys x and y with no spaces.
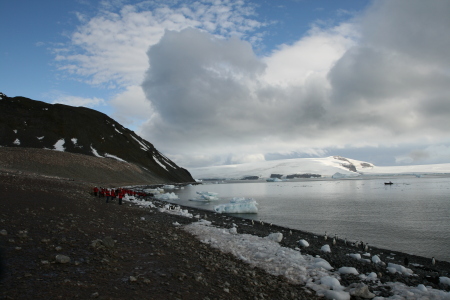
{"x":325,"y":167}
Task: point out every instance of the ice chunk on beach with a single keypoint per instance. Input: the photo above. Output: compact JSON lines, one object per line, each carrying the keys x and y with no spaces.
{"x":422,"y":288}
{"x":232,"y":230}
{"x":325,"y":248}
{"x":276,"y":237}
{"x":355,"y":255}
{"x":376,"y":259}
{"x":166,"y":196}
{"x":238,"y":206}
{"x":444,"y":280}
{"x":393,"y":268}
{"x":337,"y":295}
{"x":348,"y":270}
{"x":322,"y":263}
{"x":331,"y":282}
{"x":303,"y":243}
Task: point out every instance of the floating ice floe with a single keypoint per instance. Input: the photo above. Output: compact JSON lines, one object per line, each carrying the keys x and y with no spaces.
{"x":168,"y":187}
{"x":274,"y":180}
{"x":238,"y":206}
{"x":205,"y":197}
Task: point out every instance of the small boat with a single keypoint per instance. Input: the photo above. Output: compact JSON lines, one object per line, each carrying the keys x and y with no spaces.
{"x":388,"y":183}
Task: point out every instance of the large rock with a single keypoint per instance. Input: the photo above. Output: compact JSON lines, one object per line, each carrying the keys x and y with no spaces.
{"x":62,"y":259}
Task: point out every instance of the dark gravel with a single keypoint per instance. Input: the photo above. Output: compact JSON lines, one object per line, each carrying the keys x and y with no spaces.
{"x":150,"y":258}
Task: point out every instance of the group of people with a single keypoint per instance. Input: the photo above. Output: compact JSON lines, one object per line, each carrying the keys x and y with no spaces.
{"x":111,"y":194}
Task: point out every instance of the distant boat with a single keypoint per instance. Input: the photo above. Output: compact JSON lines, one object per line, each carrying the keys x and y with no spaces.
{"x":388,"y":183}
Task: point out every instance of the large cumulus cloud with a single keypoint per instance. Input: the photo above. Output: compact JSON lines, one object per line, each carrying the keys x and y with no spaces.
{"x":380,"y":81}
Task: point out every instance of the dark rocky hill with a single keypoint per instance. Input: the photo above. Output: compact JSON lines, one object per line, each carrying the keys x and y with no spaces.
{"x":34,"y":124}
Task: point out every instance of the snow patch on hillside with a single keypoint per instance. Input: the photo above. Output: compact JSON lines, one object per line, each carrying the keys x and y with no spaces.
{"x":143,"y":146}
{"x":94,"y":151}
{"x":115,"y":157}
{"x":59,"y":145}
{"x":159,"y":163}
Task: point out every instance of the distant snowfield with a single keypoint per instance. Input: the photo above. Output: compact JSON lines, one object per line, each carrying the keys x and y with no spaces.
{"x":326,"y":167}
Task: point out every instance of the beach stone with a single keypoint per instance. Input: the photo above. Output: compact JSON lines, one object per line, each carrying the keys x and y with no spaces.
{"x":22,"y":234}
{"x":3,"y":232}
{"x":132,"y":279}
{"x":62,"y":259}
{"x":108,"y":242}
{"x":96,"y":243}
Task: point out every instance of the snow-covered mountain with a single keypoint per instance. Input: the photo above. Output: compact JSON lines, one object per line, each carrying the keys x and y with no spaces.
{"x":27,"y":123}
{"x":336,"y":166}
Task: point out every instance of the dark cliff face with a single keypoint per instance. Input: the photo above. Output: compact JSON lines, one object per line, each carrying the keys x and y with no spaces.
{"x":35,"y":124}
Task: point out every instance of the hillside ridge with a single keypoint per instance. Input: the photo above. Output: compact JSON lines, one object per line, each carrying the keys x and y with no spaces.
{"x":27,"y":123}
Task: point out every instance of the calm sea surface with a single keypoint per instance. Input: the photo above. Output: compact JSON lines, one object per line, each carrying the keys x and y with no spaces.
{"x":411,"y":216}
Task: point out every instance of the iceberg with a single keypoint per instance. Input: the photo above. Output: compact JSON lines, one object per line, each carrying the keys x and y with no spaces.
{"x":273,"y":180}
{"x":206,"y":196}
{"x":238,"y":205}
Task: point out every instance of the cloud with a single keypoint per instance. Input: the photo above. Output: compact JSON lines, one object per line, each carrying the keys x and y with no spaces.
{"x":131,"y":107}
{"x":397,"y":76}
{"x":428,"y":155}
{"x":209,"y":91}
{"x":348,"y":86}
{"x":109,"y":49}
{"x":62,"y":98}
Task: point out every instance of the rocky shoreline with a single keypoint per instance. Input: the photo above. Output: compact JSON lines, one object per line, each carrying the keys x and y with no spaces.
{"x":59,"y":241}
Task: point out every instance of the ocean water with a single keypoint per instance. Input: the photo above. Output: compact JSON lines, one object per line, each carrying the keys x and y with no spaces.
{"x":411,"y":216}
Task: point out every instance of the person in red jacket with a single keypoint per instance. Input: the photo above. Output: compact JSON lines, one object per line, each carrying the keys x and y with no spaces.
{"x":120,"y":198}
{"x":113,"y":194}
{"x":95,"y":191}
{"x":108,"y":194}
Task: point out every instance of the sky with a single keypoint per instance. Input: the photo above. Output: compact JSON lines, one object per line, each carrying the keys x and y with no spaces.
{"x":232,"y":81}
